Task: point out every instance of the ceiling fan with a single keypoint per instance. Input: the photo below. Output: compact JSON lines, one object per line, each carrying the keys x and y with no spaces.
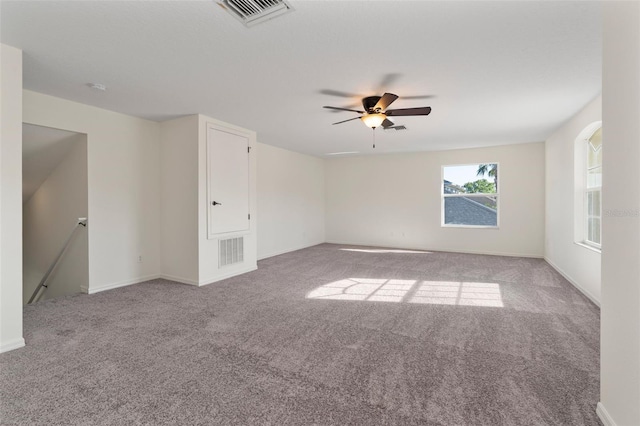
{"x":375,"y":111}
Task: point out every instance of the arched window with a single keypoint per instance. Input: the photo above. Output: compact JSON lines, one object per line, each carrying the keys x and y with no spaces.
{"x":588,"y":206}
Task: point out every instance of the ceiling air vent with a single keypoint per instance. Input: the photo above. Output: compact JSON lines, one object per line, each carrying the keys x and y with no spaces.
{"x":400,"y":127}
{"x":252,"y":12}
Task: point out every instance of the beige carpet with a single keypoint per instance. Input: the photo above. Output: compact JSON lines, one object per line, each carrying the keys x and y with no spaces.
{"x":329,"y":335}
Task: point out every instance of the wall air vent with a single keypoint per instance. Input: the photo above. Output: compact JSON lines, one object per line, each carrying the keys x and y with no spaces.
{"x":230,"y":251}
{"x":252,"y":12}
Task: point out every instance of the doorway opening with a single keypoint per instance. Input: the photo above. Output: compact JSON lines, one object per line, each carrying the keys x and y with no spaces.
{"x":54,"y":201}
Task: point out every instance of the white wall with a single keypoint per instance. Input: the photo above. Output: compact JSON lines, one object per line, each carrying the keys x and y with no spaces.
{"x":179,"y":209}
{"x":188,"y":255}
{"x":291,"y":198}
{"x":394,"y":200}
{"x":10,"y":198}
{"x":209,"y":271}
{"x":580,"y":265}
{"x":287,"y":205}
{"x":49,"y":216}
{"x":124,"y":187}
{"x":620,"y":312}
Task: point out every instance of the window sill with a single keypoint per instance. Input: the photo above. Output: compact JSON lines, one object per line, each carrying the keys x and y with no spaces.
{"x":589,"y":247}
{"x":469,"y":226}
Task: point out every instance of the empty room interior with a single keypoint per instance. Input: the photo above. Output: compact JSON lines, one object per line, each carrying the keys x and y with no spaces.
{"x":281,"y":212}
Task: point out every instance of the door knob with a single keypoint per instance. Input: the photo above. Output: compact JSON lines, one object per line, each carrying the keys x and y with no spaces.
{"x":215,"y":203}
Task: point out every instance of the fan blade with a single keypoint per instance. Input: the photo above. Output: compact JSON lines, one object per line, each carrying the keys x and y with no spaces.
{"x":338,"y":93}
{"x":420,"y":97}
{"x":385,"y":101}
{"x":344,"y":121}
{"x":408,"y":111}
{"x":387,"y":123}
{"x":344,"y":109}
{"x":388,"y":80}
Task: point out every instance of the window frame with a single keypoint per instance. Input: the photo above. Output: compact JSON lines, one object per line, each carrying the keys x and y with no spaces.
{"x":443,"y":196}
{"x":586,"y":190}
{"x":582,"y":189}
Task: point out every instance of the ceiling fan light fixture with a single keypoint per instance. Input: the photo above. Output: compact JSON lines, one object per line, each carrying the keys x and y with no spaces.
{"x":373,"y":120}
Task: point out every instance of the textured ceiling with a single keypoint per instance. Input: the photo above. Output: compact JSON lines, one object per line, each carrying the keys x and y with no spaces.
{"x":500,"y":72}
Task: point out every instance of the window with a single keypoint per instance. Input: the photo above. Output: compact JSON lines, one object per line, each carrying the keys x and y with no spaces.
{"x":592,"y":204}
{"x":470,"y":195}
{"x":587,"y":210}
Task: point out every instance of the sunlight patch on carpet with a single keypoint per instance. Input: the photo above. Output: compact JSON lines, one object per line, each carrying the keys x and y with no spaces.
{"x":411,"y":291}
{"x":458,"y":293}
{"x":385,"y":251}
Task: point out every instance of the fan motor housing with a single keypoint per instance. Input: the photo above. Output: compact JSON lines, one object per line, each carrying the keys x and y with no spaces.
{"x":369,"y":102}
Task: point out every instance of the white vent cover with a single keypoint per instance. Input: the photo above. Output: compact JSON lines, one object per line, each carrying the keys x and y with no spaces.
{"x":252,"y":12}
{"x":230,"y":251}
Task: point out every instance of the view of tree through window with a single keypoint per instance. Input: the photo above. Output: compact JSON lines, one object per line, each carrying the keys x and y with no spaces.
{"x":470,"y":195}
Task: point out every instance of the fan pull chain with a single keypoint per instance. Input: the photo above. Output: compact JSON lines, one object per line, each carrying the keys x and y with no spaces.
{"x":374,"y":137}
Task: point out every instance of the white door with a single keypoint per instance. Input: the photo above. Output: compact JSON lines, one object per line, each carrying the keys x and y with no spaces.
{"x":228,"y":181}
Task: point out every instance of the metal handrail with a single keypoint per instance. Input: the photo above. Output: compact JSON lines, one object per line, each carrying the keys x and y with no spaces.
{"x":82,"y":221}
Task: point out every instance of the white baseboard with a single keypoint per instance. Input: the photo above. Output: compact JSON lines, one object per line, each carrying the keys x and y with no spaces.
{"x":444,"y":250}
{"x":181,"y":280}
{"x":234,"y":273}
{"x":11,"y":345}
{"x":573,"y":282}
{"x":278,"y":253}
{"x":604,"y":416}
{"x":178,"y":279}
{"x":93,"y":290}
{"x":493,"y":253}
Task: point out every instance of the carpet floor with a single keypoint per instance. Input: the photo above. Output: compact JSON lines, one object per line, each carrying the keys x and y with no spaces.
{"x":329,"y":335}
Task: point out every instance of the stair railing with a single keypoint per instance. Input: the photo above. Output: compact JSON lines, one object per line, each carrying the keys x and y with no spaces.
{"x":82,"y":221}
